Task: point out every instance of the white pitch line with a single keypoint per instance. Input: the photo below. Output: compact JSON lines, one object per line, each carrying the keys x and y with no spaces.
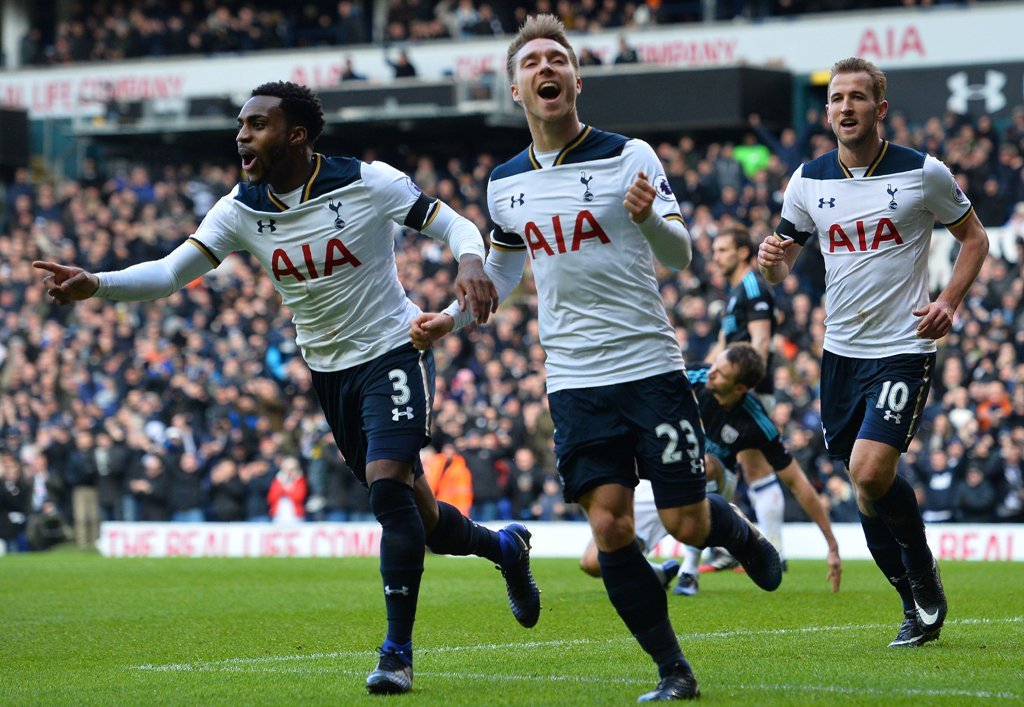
{"x":239,"y":663}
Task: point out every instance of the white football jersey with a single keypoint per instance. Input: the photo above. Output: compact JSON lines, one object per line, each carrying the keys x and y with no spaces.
{"x":874,"y":232}
{"x":331,"y":257}
{"x":600,"y":315}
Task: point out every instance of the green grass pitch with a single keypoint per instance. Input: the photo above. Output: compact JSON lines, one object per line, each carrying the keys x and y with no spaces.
{"x":82,"y":629}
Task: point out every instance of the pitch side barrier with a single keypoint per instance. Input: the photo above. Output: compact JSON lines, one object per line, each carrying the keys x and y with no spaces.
{"x":953,"y":541}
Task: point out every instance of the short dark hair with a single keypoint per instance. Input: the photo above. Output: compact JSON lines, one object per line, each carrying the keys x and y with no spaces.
{"x":740,"y":235}
{"x":538,"y":27}
{"x":299,"y":104}
{"x":855,"y":65}
{"x":748,"y":362}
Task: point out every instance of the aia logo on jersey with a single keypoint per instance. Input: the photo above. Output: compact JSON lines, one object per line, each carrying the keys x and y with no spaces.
{"x":884,"y":230}
{"x":585,"y":228}
{"x":335,"y":255}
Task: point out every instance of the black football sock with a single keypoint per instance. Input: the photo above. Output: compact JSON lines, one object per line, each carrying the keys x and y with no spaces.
{"x":886,"y":551}
{"x":456,"y":534}
{"x":401,"y":554}
{"x":899,"y":511}
{"x":639,"y":598}
{"x":728,"y":530}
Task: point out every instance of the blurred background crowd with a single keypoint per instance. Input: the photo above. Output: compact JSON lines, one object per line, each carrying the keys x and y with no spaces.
{"x":198,"y":407}
{"x":106,"y":30}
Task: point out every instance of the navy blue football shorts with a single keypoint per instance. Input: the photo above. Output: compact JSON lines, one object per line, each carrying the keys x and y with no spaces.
{"x":877,"y":399}
{"x":380,"y":409}
{"x":613,"y":434}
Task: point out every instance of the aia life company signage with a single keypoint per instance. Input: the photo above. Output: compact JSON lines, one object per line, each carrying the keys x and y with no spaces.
{"x":977,"y":542}
{"x":239,"y":540}
{"x":993,"y":89}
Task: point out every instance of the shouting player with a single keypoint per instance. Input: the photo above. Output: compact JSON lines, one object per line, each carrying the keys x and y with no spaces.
{"x":591,"y":210}
{"x":323,"y":229}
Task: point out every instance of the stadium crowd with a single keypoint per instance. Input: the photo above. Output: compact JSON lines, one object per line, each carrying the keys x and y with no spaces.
{"x":111,"y":30}
{"x":197,"y":407}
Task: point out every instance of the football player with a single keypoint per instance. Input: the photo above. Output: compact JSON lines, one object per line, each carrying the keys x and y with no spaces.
{"x":872,"y":206}
{"x":592,"y":210}
{"x":323,"y":228}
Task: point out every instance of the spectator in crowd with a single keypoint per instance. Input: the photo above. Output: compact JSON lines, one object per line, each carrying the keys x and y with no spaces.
{"x":287,"y":494}
{"x":113,"y":460}
{"x":151,"y":489}
{"x":627,"y":54}
{"x":15,"y":503}
{"x":975,"y":496}
{"x":82,"y":477}
{"x":449,"y":477}
{"x":227,"y":492}
{"x":402,"y":66}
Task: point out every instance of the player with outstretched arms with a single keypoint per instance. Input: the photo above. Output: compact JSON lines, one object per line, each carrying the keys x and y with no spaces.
{"x":323,"y":229}
{"x":591,"y":210}
{"x":872,"y":206}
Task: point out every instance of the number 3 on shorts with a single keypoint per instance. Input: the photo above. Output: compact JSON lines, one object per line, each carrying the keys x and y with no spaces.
{"x":400,"y":382}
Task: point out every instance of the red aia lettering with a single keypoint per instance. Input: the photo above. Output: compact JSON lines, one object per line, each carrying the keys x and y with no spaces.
{"x":885,"y":230}
{"x":335,"y":255}
{"x":586,"y":227}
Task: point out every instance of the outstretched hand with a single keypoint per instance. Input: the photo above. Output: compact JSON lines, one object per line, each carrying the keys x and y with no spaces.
{"x":473,"y":287}
{"x":428,"y":327}
{"x":937,"y":319}
{"x":835,"y":569}
{"x":639,"y":198}
{"x":66,"y":283}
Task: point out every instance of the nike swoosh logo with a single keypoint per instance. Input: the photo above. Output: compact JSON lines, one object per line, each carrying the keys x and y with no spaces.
{"x":927,"y":618}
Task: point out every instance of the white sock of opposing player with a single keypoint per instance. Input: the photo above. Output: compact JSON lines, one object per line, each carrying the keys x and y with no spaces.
{"x":769,"y":505}
{"x":691,"y":561}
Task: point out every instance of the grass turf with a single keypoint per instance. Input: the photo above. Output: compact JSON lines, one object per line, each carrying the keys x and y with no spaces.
{"x":82,"y":629}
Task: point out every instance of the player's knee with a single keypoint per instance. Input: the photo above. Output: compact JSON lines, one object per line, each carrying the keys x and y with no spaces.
{"x":689,"y":526}
{"x":589,"y":563}
{"x":611,"y":532}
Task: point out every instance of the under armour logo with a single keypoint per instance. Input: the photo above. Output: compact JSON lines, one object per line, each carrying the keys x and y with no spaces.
{"x":991,"y":91}
{"x":892,"y":195}
{"x":396,"y":413}
{"x":513,"y":200}
{"x":388,"y":591}
{"x":894,"y":416}
{"x":269,"y":224}
{"x":831,"y":203}
{"x":339,"y":222}
{"x":585,"y":181}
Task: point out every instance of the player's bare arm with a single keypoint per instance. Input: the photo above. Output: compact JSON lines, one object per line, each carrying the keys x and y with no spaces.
{"x":775,"y":258}
{"x":756,"y":466}
{"x":761,"y":336}
{"x":472,"y":286}
{"x":66,"y":283}
{"x":639,"y":199}
{"x":937,"y":316}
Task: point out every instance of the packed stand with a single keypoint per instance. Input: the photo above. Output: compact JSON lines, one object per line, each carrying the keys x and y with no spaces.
{"x":111,"y":30}
{"x":198,"y":407}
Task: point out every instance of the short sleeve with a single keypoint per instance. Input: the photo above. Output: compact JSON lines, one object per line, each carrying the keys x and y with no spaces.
{"x":942,"y":195}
